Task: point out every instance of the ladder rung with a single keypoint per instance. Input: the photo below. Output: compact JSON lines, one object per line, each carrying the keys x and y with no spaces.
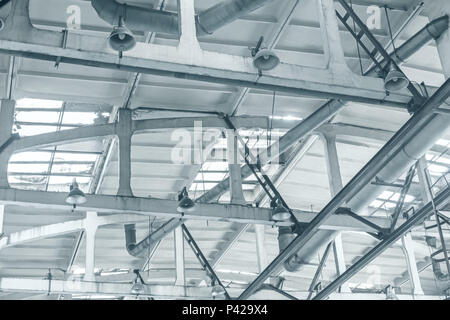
{"x":360,"y":35}
{"x":345,"y":18}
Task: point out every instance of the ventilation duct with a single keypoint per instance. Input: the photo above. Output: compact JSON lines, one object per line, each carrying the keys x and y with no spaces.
{"x":142,"y":19}
{"x":142,"y":248}
{"x":412,"y":151}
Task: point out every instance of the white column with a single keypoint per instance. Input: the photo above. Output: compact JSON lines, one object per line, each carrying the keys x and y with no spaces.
{"x":260,"y":247}
{"x":408,"y":250}
{"x":188,"y":29}
{"x":236,"y":192}
{"x":91,"y":230}
{"x":180,"y":279}
{"x":335,"y":182}
{"x":124,"y":132}
{"x":6,"y":124}
{"x":332,"y":45}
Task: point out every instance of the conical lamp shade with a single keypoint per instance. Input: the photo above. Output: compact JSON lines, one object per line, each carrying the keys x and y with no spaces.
{"x":121,"y":39}
{"x":75,"y":196}
{"x":395,"y":80}
{"x":280,"y":213}
{"x":186,"y":205}
{"x":265,"y":60}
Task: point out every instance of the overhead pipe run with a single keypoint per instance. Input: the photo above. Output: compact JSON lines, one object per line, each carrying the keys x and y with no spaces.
{"x":142,"y":248}
{"x":410,"y":153}
{"x":431,"y":31}
{"x":145,"y":20}
{"x":423,"y":117}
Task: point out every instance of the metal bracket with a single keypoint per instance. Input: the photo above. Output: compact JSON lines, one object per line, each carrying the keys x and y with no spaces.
{"x":380,"y":233}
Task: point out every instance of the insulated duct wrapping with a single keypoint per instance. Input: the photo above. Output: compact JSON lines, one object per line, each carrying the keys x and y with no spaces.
{"x":412,"y":151}
{"x":151,"y":20}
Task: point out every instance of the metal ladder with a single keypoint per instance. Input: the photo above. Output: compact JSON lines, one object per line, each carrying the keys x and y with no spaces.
{"x":202,"y":259}
{"x":377,"y":49}
{"x":262,"y":178}
{"x":440,"y":219}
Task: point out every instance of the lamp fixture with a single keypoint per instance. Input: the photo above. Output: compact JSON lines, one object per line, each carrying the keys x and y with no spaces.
{"x":75,"y":196}
{"x":279,"y":212}
{"x":185,"y":204}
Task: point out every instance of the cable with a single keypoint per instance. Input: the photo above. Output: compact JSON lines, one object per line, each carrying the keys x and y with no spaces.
{"x":390,"y":29}
{"x":357,"y":43}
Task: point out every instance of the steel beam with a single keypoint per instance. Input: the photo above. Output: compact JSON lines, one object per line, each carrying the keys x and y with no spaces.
{"x":361,"y":179}
{"x":442,"y":199}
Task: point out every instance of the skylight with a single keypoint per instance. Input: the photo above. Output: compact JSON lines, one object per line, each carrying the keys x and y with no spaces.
{"x":53,"y":168}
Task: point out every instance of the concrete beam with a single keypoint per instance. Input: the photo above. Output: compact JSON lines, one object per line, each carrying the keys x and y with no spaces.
{"x":188,"y":61}
{"x":167,"y":209}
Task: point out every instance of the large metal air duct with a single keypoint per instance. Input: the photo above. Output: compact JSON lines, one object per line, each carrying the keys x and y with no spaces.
{"x":411,"y":152}
{"x":142,"y":248}
{"x":142,"y":19}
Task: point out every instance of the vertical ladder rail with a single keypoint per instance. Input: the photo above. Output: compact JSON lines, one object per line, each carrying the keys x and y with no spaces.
{"x":401,"y":200}
{"x":202,"y":259}
{"x":438,"y":222}
{"x":364,"y":31}
{"x":257,"y":170}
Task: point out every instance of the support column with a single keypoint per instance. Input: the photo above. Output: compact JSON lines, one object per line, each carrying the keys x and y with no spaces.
{"x":124,"y":132}
{"x":6,"y":124}
{"x":180,"y":279}
{"x":188,"y":29}
{"x":335,"y":183}
{"x":91,"y":230}
{"x":424,"y":191}
{"x":408,"y":250}
{"x":332,"y":45}
{"x":236,"y":192}
{"x":260,"y":247}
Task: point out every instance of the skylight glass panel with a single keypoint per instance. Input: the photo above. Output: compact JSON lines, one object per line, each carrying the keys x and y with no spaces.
{"x":72,"y":168}
{"x":386,"y":195}
{"x":437,"y":168}
{"x":37,"y":116}
{"x":443,"y":142}
{"x":30,"y":156}
{"x":215,"y":166}
{"x":63,"y":156}
{"x":27,"y":179}
{"x":25,"y":130}
{"x":376,"y":203}
{"x":28,"y":168}
{"x":38,"y":103}
{"x":201,"y":186}
{"x":83,"y":118}
{"x":68,"y":179}
{"x":210,"y":176}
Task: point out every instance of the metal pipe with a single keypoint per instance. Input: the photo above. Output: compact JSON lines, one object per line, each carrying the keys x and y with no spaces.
{"x":142,"y":248}
{"x":409,"y":154}
{"x":441,"y":200}
{"x":143,"y":19}
{"x":392,"y":148}
{"x":433,"y":30}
